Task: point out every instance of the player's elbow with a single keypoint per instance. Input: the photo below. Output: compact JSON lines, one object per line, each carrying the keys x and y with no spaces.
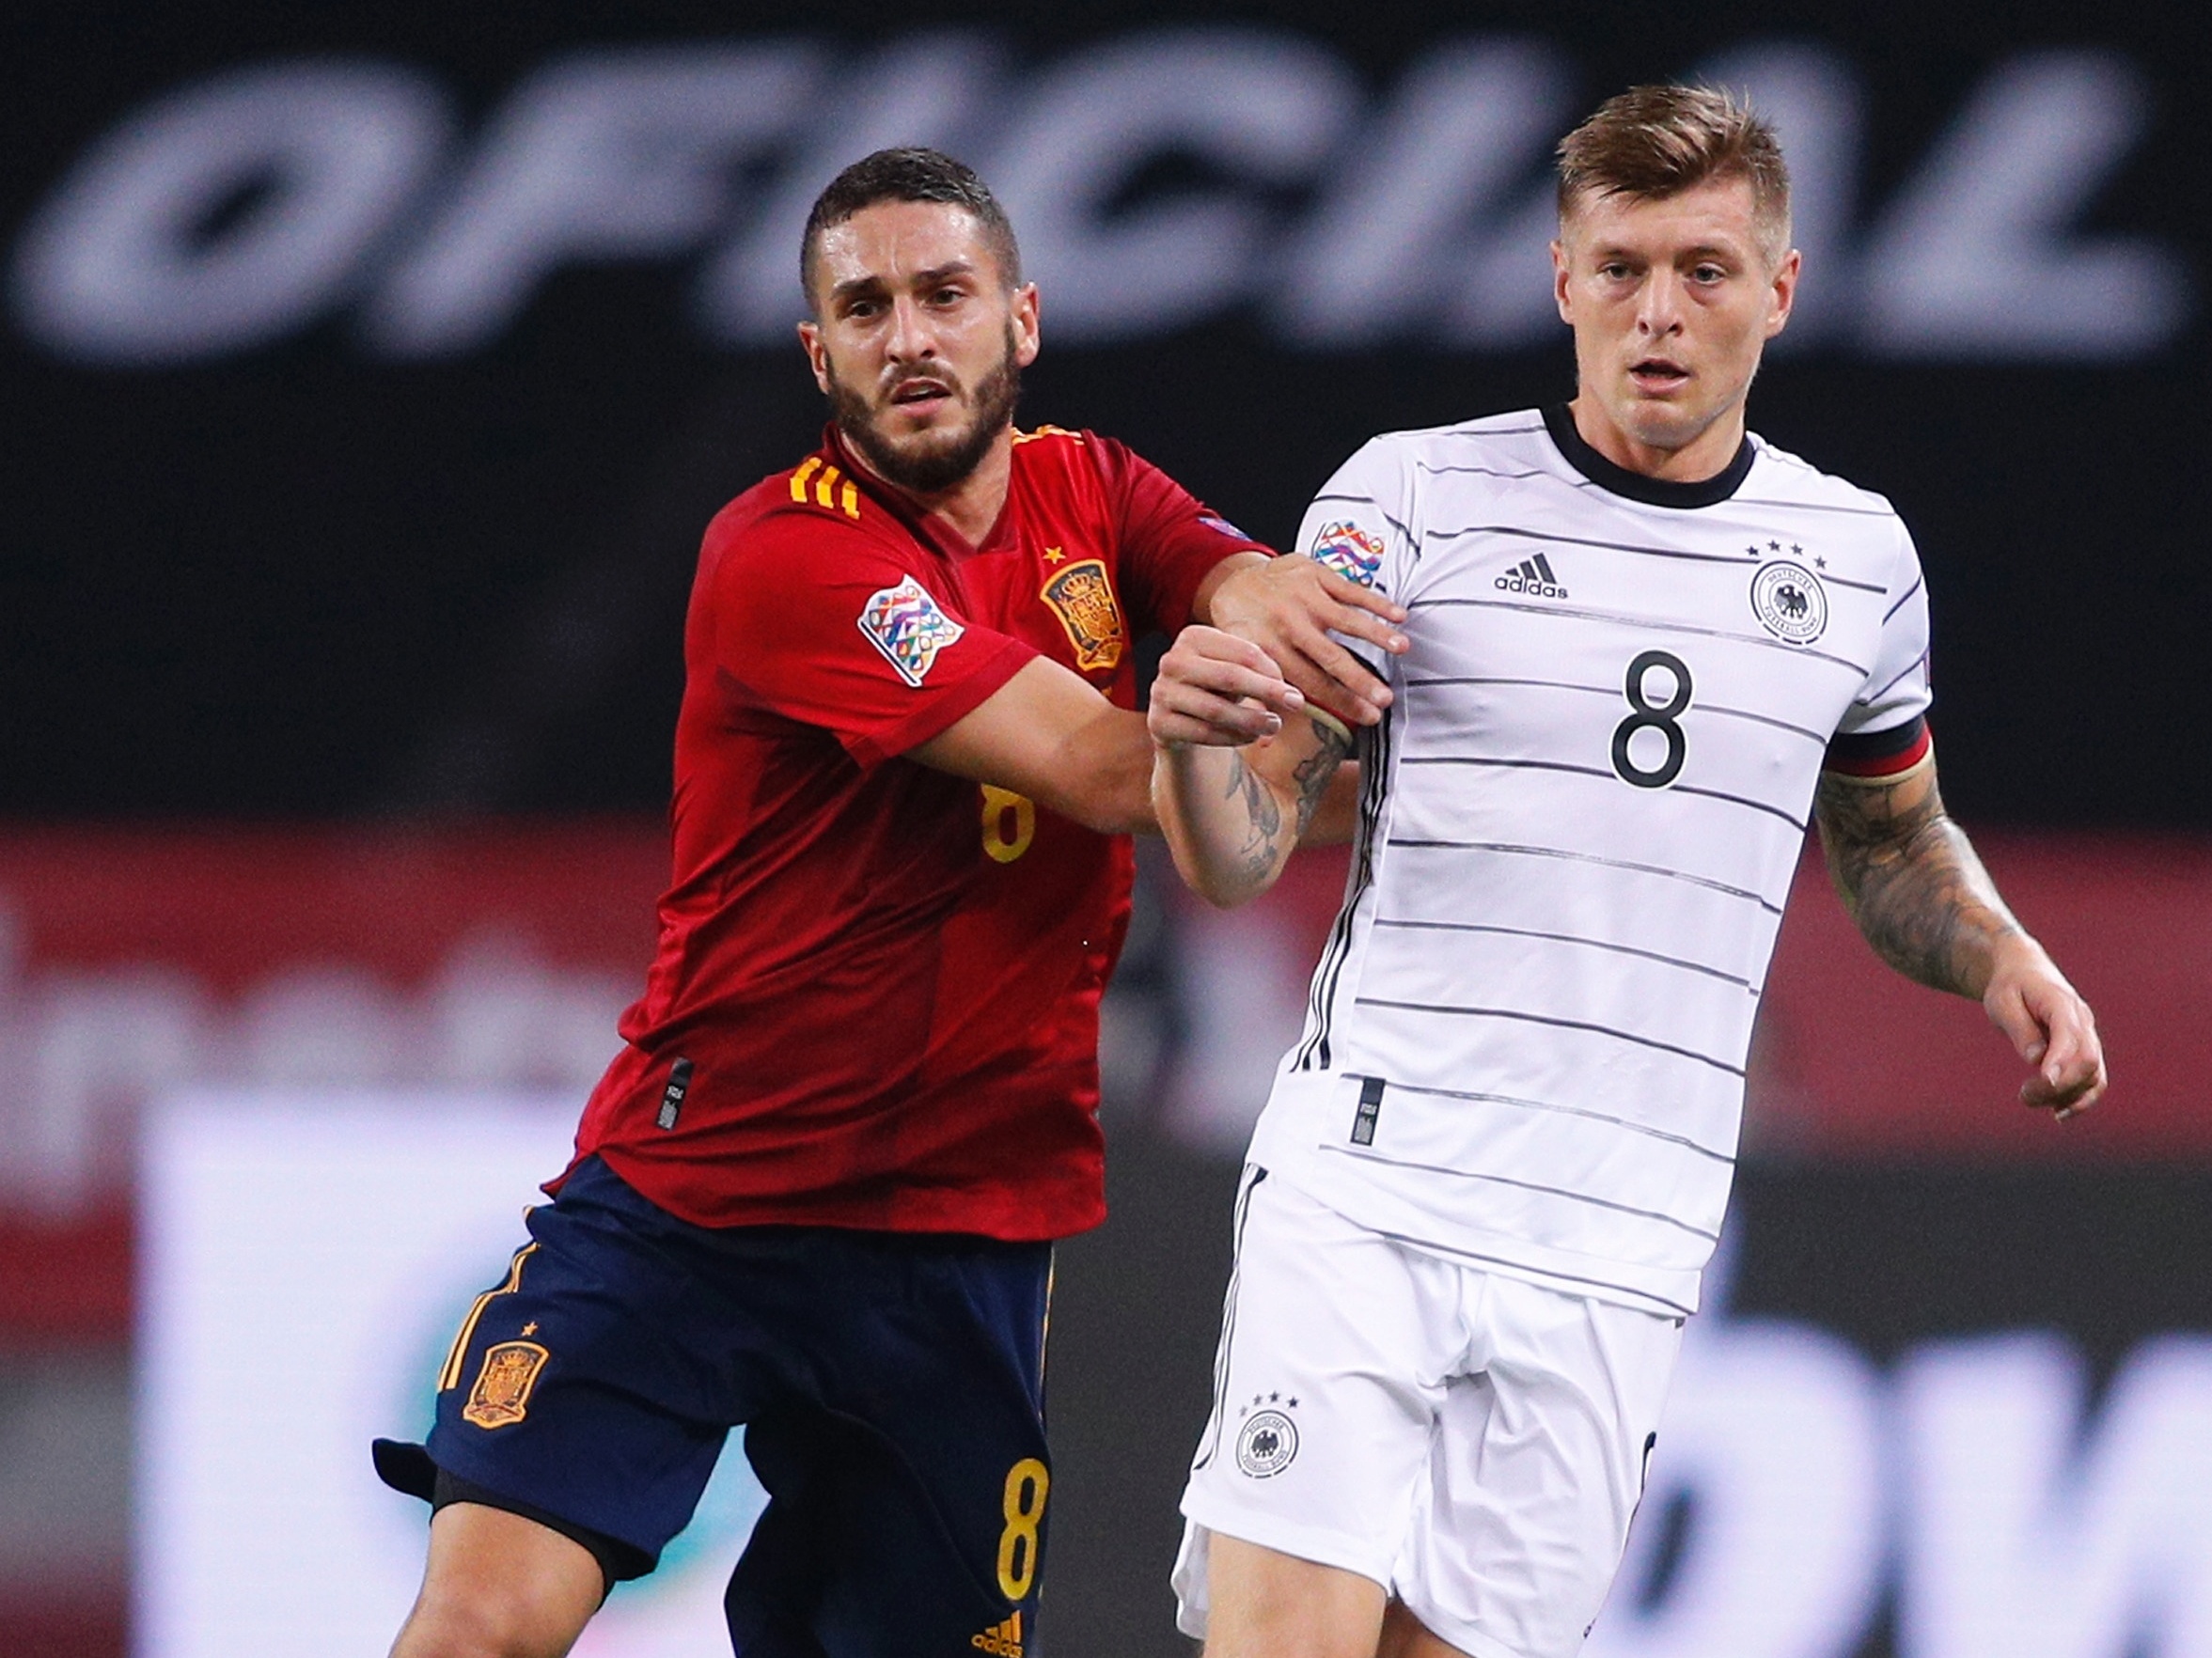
{"x":1106,"y":811}
{"x":1223,"y":882}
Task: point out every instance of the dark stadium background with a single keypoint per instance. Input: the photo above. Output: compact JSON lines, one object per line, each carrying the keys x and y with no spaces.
{"x":319,"y":651}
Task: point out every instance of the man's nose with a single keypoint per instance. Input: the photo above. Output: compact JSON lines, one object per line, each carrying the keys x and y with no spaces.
{"x":1658,"y":309}
{"x":910,"y":336}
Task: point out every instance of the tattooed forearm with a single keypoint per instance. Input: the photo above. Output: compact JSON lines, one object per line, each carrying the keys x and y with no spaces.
{"x":1263,"y":817}
{"x":1316,"y":769}
{"x":1911,"y":881}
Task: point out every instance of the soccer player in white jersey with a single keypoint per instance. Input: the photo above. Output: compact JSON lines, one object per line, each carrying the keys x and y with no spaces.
{"x":1647,"y":647}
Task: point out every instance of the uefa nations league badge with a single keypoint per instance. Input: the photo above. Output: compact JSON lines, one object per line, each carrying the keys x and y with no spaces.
{"x":1789,"y":602}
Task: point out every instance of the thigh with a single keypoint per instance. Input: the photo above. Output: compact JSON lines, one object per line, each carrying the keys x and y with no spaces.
{"x":1335,"y":1344}
{"x":586,"y":1384}
{"x":909,"y":1488}
{"x":1538,"y":1465}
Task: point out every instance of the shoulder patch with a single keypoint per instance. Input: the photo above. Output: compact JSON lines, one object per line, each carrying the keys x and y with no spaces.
{"x":1221,"y":526}
{"x":907,"y":625}
{"x":817,"y":482}
{"x":1355,"y":554}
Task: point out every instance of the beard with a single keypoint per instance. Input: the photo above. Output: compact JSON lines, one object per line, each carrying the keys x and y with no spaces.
{"x":930,"y":461}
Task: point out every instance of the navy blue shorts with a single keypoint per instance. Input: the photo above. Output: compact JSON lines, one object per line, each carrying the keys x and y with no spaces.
{"x":891,"y":1386}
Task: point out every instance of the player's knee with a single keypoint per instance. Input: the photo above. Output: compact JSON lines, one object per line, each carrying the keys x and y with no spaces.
{"x":1268,"y":1604}
{"x":448,"y":1625}
{"x":500,"y":1586}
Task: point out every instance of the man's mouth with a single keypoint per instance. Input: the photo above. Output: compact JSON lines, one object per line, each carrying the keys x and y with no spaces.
{"x":919,"y":394}
{"x":1658,"y":374}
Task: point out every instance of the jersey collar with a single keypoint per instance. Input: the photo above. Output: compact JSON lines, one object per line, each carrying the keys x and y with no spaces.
{"x":1652,"y":492}
{"x":926,"y":528}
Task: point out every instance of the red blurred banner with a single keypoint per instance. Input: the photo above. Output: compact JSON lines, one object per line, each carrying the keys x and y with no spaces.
{"x":1852,"y":1062}
{"x":498,"y":956}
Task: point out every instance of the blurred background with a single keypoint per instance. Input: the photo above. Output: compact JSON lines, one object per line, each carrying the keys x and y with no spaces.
{"x":367,"y":375}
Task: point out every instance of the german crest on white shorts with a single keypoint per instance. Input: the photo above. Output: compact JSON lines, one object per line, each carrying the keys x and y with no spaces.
{"x":1473,"y":1442}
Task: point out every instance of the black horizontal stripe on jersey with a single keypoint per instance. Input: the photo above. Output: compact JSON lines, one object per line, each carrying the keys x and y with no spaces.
{"x":1902,"y":597}
{"x":1435,"y":470}
{"x":1404,"y":533}
{"x":1799,"y":825}
{"x":1672,"y":1138}
{"x":1639,"y":550}
{"x":1918,"y":662}
{"x":1561,"y":851}
{"x":1497,"y":1179}
{"x":1818,"y":507}
{"x":1568,"y":938}
{"x":1612,"y":694}
{"x":1449,"y":1011}
{"x":1738,"y":559}
{"x":1491,"y":431}
{"x":1642,"y":624}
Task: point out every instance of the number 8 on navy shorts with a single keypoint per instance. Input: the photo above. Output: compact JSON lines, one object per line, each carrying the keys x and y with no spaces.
{"x":891,"y":1386}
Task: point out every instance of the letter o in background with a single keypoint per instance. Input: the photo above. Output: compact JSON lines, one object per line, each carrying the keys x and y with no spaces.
{"x":124,"y":264}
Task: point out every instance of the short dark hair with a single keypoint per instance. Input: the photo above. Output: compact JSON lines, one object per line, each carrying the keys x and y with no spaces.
{"x":909,"y":175}
{"x":1659,"y":141}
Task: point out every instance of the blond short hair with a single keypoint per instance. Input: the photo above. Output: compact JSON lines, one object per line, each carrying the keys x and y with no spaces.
{"x":1659,"y":141}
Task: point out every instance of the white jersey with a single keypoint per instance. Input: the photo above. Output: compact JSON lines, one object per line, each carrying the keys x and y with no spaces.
{"x":1527,"y":1035}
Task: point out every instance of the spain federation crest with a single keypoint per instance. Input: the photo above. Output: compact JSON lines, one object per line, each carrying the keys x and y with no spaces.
{"x":501,"y":1397}
{"x":904,"y":623}
{"x":1082,"y":595}
{"x":1355,"y":554}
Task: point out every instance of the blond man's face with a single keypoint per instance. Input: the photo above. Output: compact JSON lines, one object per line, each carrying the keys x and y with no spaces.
{"x":1671,"y":301}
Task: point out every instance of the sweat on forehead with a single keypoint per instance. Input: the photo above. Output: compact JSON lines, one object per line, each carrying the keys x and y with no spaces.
{"x":915,"y":174}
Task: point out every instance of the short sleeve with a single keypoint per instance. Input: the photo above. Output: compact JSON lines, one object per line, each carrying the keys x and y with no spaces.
{"x":1170,"y":540}
{"x":1359,"y":527}
{"x":829,"y":627}
{"x":1885,"y":727}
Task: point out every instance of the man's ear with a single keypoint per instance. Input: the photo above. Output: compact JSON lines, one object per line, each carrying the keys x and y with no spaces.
{"x":1785,"y":292}
{"x":817,"y":353}
{"x":1027,"y":309}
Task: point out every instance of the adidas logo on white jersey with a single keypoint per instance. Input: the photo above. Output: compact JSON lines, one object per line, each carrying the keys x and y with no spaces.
{"x":1534,"y":575}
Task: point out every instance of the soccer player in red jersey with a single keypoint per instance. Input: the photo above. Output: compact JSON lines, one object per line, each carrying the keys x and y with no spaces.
{"x":815,"y":1192}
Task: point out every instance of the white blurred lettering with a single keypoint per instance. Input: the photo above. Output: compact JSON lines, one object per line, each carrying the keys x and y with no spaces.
{"x":2032,"y":1531}
{"x":1772,"y":1437}
{"x":1396,"y":242}
{"x":1263,"y":108}
{"x":616,"y":155}
{"x":131,"y":261}
{"x":1974,"y":259}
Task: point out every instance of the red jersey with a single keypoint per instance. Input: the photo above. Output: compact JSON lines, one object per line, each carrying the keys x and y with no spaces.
{"x":875,"y":999}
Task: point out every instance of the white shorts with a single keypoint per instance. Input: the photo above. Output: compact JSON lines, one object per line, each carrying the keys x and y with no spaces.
{"x":1472,"y":1442}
